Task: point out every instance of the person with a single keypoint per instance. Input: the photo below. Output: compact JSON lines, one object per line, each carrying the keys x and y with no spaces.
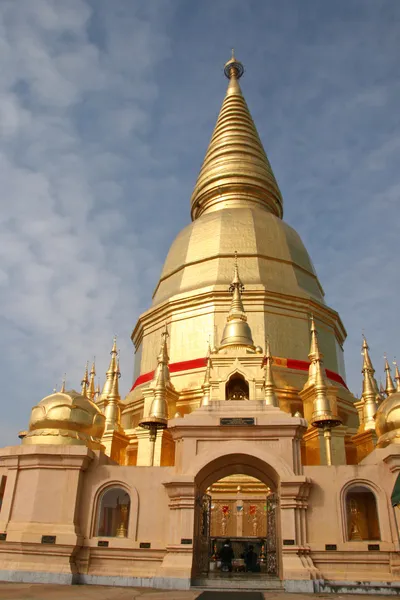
{"x":250,"y":560}
{"x":226,"y":556}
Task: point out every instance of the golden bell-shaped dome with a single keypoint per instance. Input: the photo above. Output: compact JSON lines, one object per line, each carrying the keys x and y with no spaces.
{"x":387,"y":421}
{"x":66,"y":418}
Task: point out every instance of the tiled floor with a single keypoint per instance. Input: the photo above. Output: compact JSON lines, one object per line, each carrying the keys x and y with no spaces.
{"x":37,"y":591}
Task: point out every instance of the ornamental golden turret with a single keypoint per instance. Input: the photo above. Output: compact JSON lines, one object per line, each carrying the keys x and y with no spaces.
{"x":85,"y":382}
{"x":158,"y":414}
{"x":113,"y":407}
{"x":367,"y":366}
{"x":397,"y":376}
{"x":235,"y":170}
{"x":236,"y":331}
{"x":92,"y":389}
{"x":370,"y":391}
{"x":390,"y":387}
{"x":110,"y":372}
{"x":269,"y":386}
{"x":315,"y":353}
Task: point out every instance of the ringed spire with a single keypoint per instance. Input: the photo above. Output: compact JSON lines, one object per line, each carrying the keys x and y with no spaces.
{"x":236,"y":171}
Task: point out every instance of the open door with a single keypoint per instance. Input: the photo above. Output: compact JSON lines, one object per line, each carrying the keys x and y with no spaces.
{"x":201,"y":546}
{"x":272,"y":554}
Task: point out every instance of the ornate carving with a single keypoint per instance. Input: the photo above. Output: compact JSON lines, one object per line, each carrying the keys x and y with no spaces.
{"x":272,"y":559}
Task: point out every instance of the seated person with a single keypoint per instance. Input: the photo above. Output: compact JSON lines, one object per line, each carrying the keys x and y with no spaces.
{"x":226,"y":556}
{"x":250,"y":560}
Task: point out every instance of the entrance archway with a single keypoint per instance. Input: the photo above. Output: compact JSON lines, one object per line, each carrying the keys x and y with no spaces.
{"x":217,"y":503}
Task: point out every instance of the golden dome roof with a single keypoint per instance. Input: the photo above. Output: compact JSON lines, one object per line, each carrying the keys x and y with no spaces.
{"x":66,"y":419}
{"x":387,"y":421}
{"x":271,"y":254}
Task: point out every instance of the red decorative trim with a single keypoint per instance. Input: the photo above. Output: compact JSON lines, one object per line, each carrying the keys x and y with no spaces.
{"x":198,"y":363}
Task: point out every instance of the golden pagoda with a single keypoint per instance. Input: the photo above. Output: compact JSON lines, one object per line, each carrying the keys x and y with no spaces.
{"x":252,"y":441}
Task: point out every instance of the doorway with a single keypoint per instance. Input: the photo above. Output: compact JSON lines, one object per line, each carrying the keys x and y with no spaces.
{"x":236,"y":510}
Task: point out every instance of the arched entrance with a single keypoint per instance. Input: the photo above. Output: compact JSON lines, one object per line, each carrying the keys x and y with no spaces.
{"x":248,"y":517}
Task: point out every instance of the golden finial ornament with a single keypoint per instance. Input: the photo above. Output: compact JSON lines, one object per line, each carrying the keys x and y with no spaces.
{"x":315,"y":353}
{"x":390,"y":387}
{"x":367,"y":366}
{"x":110,"y":372}
{"x":322,"y":416}
{"x":236,"y":170}
{"x":269,"y":385}
{"x":369,"y":400}
{"x":158,"y":414}
{"x":397,"y":376}
{"x":85,"y":381}
{"x":236,"y":331}
{"x":112,"y":410}
{"x":92,"y":388}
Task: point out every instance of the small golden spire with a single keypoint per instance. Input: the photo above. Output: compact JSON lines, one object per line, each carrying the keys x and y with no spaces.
{"x":269,"y":385}
{"x":85,"y":381}
{"x":98,"y":391}
{"x":236,"y":170}
{"x":237,"y":331}
{"x":315,"y":353}
{"x":367,"y":366}
{"x":397,"y":376}
{"x":112,"y":410}
{"x":390,"y":387}
{"x":369,"y":400}
{"x":92,"y":389}
{"x":63,"y":384}
{"x":158,"y":415}
{"x":110,"y":372}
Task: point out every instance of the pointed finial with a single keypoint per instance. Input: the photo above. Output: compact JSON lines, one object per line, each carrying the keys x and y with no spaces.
{"x":110,"y":371}
{"x":396,"y":375}
{"x":390,"y":387}
{"x":92,"y":389}
{"x":233,"y":69}
{"x":63,"y":383}
{"x":85,"y":381}
{"x":98,"y":391}
{"x":206,"y":387}
{"x":237,"y":331}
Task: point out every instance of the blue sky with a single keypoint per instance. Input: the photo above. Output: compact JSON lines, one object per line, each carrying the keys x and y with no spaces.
{"x":106,"y":110}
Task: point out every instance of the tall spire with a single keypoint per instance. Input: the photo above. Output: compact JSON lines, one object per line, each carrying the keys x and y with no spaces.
{"x":390,"y":387}
{"x":112,"y":410}
{"x":369,"y":398}
{"x":315,"y":353}
{"x":236,"y":170}
{"x":367,"y":366}
{"x":158,"y":414}
{"x":397,"y":376}
{"x":270,"y":387}
{"x":237,"y":331}
{"x":85,"y":382}
{"x":92,"y":388}
{"x":110,"y":372}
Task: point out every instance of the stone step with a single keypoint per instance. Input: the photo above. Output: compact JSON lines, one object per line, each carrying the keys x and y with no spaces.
{"x":235,"y":583}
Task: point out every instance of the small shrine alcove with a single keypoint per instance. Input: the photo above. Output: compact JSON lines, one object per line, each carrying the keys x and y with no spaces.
{"x":237,"y":388}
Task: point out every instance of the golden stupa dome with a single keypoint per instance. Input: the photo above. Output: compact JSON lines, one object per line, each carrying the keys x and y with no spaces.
{"x":271,"y":255}
{"x":66,"y":418}
{"x":387,"y":421}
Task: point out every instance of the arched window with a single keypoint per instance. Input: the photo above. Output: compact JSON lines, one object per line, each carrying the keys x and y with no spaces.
{"x":237,"y":388}
{"x":362,"y":514}
{"x":113,"y":513}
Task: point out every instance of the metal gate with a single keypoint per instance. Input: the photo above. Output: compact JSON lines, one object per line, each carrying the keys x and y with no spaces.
{"x":201,"y":545}
{"x":272,"y":553}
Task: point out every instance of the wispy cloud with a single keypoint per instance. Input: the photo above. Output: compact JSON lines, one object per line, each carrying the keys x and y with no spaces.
{"x":105,"y":113}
